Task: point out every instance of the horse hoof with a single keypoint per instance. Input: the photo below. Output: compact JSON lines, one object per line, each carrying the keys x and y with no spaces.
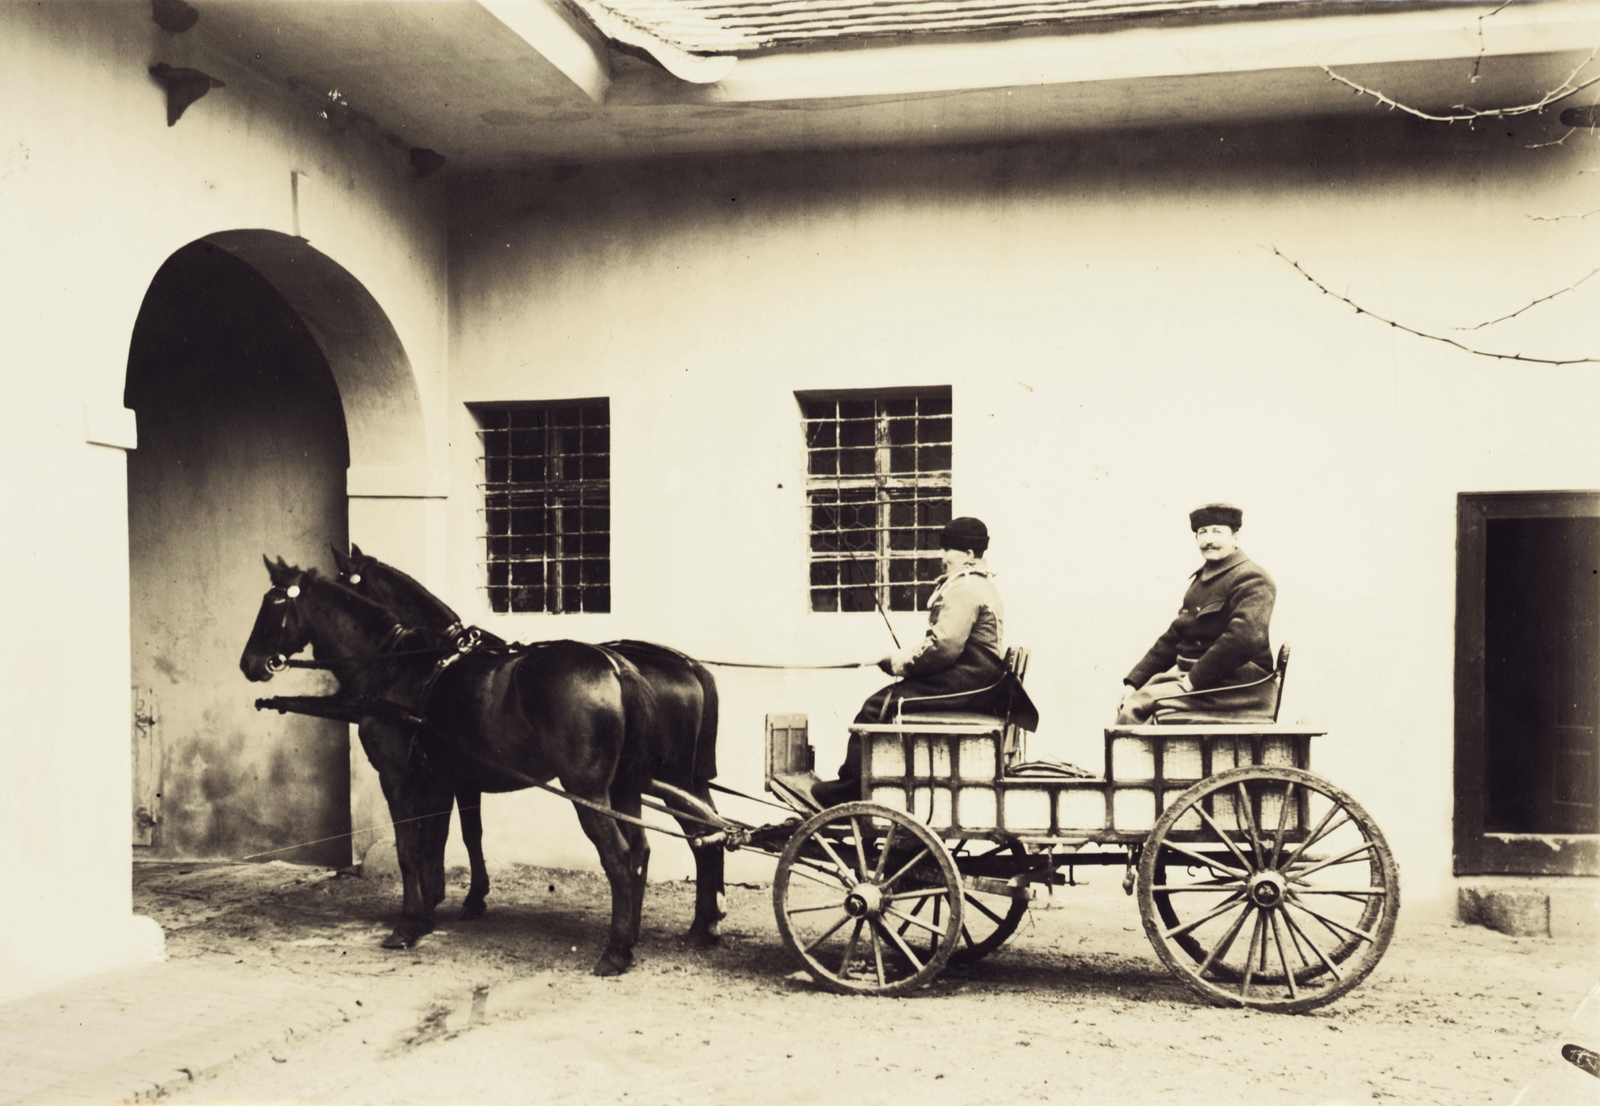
{"x":398,"y":940}
{"x":472,"y":908}
{"x":611,"y":963}
{"x":702,"y":937}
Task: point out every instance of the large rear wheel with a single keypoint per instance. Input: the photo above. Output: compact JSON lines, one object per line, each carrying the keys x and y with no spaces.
{"x":1268,"y":887}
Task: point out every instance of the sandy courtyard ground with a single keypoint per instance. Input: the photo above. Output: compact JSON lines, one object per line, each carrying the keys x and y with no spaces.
{"x":1076,"y":1008}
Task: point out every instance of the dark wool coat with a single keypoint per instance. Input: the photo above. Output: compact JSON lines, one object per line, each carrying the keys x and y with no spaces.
{"x":1221,"y":628}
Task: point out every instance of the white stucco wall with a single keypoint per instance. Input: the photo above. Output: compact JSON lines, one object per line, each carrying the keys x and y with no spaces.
{"x":1122,"y":343}
{"x":95,"y":193}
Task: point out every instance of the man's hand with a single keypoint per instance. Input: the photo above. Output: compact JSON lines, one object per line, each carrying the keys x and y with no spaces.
{"x":886,"y":662}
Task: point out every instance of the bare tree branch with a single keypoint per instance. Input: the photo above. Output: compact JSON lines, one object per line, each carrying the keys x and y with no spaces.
{"x":1535,"y":303}
{"x":1558,"y":218}
{"x":1478,"y":61}
{"x":1325,"y":290}
{"x":1471,"y":115}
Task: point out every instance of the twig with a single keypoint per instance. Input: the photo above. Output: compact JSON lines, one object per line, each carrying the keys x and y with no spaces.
{"x":1558,"y":218}
{"x":1478,"y":61}
{"x":1562,"y":141}
{"x":1535,"y":303}
{"x":1423,"y":334}
{"x":1471,"y":115}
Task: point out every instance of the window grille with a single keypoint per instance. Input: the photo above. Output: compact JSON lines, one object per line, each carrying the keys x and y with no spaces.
{"x":878,"y":494}
{"x":547,"y":505}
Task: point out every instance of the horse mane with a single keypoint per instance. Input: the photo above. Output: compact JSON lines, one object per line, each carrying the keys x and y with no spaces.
{"x":417,"y":596}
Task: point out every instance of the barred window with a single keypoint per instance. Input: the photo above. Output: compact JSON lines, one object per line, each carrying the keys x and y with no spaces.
{"x":547,"y":505}
{"x":877,"y":493}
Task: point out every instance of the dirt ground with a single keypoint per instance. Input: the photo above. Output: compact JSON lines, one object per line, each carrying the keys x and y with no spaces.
{"x":1076,"y":1008}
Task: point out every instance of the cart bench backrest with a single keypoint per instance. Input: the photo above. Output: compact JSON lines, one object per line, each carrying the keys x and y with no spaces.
{"x":1213,"y":705}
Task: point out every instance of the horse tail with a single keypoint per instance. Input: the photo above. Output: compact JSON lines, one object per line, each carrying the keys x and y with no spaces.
{"x":641,"y":713}
{"x":705,"y":746}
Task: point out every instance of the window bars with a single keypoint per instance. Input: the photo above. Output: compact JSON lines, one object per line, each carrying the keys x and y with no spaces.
{"x":547,"y":505}
{"x":878,"y":494}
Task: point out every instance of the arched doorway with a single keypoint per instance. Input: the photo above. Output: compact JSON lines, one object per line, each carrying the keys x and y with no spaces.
{"x":258,"y":369}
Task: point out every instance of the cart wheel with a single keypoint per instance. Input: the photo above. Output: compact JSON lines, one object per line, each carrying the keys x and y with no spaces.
{"x":869,"y":899}
{"x":1268,"y":887}
{"x":988,"y":917}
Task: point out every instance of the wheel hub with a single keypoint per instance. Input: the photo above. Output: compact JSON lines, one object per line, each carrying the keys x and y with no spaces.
{"x":864,"y":901}
{"x":1267,"y":889}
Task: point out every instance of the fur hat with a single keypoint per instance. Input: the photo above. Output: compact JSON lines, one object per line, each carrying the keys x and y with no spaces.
{"x":965,"y":533}
{"x":1216,"y":514}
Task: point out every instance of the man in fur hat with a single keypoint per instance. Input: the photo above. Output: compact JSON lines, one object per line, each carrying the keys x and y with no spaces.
{"x":1219,"y":638}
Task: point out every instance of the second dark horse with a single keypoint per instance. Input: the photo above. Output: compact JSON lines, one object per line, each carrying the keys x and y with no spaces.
{"x":677,"y":747}
{"x":492,"y":720}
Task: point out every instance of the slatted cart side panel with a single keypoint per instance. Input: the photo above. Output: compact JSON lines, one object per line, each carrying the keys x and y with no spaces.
{"x":1147,"y":767}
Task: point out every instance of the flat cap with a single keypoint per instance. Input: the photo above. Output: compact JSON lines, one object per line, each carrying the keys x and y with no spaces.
{"x":1216,"y":514}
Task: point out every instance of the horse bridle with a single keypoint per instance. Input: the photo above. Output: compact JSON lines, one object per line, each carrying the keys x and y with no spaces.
{"x":279,"y":661}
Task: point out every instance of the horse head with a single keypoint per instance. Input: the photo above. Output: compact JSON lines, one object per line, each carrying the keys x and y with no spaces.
{"x":281,"y":628}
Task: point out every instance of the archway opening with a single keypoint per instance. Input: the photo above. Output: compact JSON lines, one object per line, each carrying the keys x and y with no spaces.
{"x":243,"y":450}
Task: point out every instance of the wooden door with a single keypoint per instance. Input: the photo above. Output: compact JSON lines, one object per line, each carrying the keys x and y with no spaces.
{"x":1528,"y":684}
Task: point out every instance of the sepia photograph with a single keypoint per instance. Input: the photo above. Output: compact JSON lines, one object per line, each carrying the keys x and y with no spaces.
{"x":800,"y":552}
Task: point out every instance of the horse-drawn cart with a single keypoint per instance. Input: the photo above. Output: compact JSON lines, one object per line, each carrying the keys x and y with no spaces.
{"x":1259,"y":883}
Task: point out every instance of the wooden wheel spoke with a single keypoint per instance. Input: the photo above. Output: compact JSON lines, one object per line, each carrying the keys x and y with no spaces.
{"x":1220,"y":949}
{"x":815,"y":909}
{"x":918,"y":893}
{"x":1256,"y":942}
{"x":815,"y":875}
{"x":829,"y":932}
{"x":1354,"y":894}
{"x":982,"y":908}
{"x":1186,"y":927}
{"x":1333,"y":925}
{"x":1210,"y":862}
{"x":912,"y":863}
{"x":1294,"y":927}
{"x":883,"y":853}
{"x":877,"y":952}
{"x":1222,"y":834}
{"x":850,"y":949}
{"x":905,"y":949}
{"x":1322,"y":830}
{"x":1249,"y":823}
{"x":861,"y":852}
{"x":1342,"y":858}
{"x":1283,"y":956}
{"x":913,"y":920}
{"x":1209,"y":885}
{"x":846,"y":875}
{"x":1283,"y":825}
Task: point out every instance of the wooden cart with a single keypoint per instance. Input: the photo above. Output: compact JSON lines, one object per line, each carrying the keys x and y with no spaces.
{"x":1259,"y":883}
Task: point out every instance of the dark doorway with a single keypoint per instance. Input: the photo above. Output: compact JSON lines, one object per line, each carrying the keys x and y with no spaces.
{"x":1528,"y":683}
{"x":242,"y":451}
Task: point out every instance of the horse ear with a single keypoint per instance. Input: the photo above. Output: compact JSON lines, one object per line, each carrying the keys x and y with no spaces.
{"x":279,"y":573}
{"x":355,"y":550}
{"x":340,"y":559}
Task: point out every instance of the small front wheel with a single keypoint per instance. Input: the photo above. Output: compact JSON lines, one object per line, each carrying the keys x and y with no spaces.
{"x":1268,"y":887}
{"x":868,"y":899}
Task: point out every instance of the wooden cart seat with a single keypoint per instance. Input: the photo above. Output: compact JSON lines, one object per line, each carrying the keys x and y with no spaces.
{"x":1212,"y":705}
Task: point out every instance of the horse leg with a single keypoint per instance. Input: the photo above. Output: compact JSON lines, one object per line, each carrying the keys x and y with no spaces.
{"x":468,"y":807}
{"x":614,"y":858}
{"x":407,"y":794}
{"x":638,"y":855}
{"x":710,"y":898}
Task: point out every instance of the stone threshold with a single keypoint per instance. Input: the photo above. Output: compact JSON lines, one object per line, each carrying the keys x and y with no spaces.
{"x":1567,"y":909}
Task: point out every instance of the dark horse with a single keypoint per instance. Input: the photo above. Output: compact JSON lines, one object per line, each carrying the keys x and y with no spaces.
{"x":680,"y":749}
{"x":490,"y":721}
